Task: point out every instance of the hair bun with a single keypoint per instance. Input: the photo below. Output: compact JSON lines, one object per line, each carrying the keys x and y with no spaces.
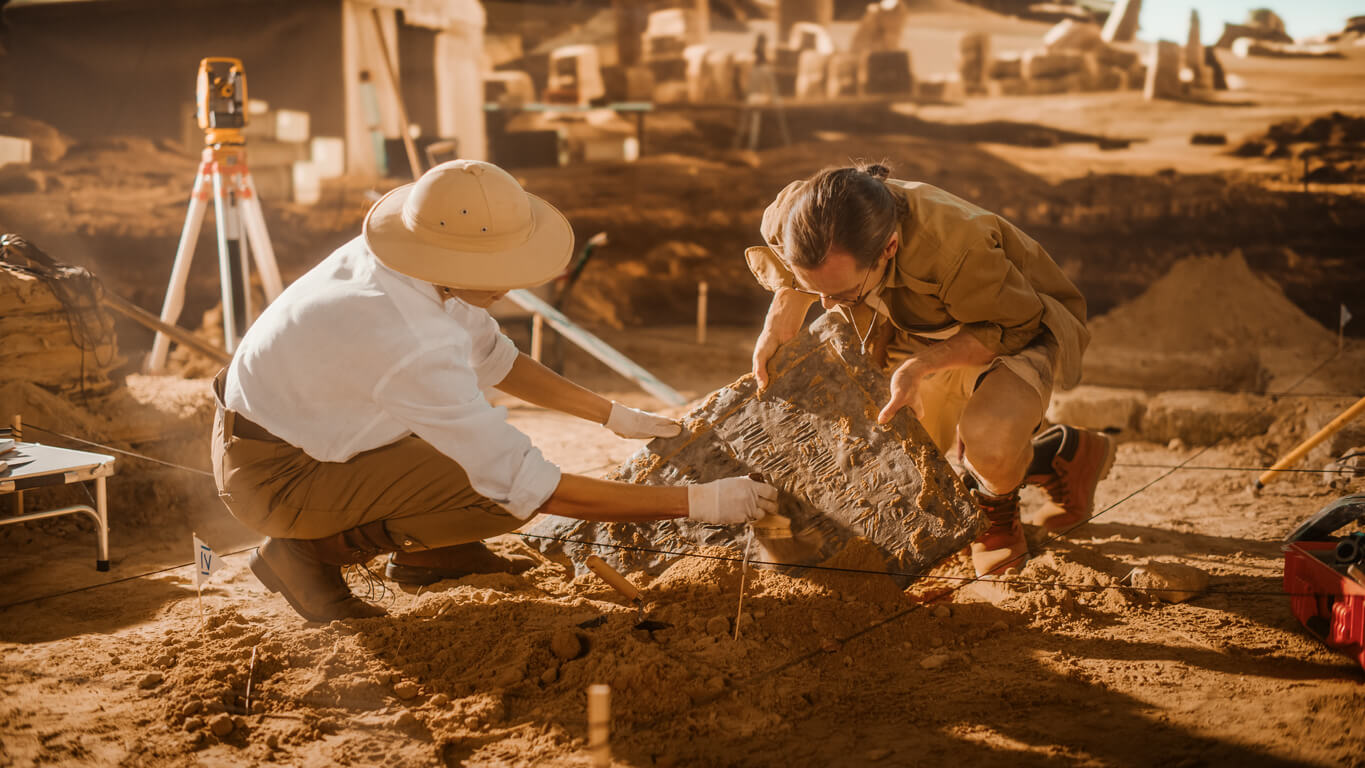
{"x":876,"y":170}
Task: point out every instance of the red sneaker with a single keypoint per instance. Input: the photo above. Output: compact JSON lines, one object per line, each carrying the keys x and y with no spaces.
{"x":1001,"y":548}
{"x":1081,"y":459}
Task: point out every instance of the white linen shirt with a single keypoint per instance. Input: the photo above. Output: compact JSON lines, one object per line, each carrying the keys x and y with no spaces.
{"x":354,"y":356}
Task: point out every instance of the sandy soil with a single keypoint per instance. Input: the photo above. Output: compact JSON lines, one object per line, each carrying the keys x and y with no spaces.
{"x":1066,"y":666}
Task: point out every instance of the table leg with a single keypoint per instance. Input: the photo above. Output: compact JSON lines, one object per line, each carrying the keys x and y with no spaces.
{"x":102,"y":525}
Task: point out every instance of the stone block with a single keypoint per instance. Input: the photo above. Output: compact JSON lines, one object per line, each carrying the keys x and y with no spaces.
{"x":842,"y":75}
{"x":889,"y":73}
{"x":974,"y":57}
{"x":1172,"y":582}
{"x":941,"y":89}
{"x":1100,"y":408}
{"x":1006,"y":66}
{"x":1163,"y":72}
{"x":1205,"y":418}
{"x":812,"y":434}
{"x":15,"y":151}
{"x":810,"y":74}
{"x":1041,"y":64}
{"x":328,"y":155}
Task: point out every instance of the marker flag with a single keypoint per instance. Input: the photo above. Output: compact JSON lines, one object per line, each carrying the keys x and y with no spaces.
{"x":206,"y":561}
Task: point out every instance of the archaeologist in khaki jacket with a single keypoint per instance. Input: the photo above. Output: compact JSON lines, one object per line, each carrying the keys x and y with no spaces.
{"x":974,"y":320}
{"x":352,"y":422}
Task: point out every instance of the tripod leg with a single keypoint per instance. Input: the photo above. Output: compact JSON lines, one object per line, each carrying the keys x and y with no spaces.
{"x":254,"y":220}
{"x":229,"y":259}
{"x":180,"y":271}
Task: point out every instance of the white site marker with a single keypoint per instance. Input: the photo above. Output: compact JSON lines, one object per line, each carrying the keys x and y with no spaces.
{"x":599,"y":725}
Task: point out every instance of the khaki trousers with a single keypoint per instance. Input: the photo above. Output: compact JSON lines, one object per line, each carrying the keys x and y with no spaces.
{"x":276,"y":489}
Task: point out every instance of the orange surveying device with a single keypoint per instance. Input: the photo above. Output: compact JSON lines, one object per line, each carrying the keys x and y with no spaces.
{"x":223,"y":177}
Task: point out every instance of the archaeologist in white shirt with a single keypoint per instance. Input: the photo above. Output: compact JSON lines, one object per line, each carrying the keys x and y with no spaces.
{"x":352,"y":421}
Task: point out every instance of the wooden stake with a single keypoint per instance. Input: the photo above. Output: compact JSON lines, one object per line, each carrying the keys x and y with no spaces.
{"x":537,"y":336}
{"x":599,"y":725}
{"x":702,"y":290}
{"x":743,"y":572}
{"x":251,"y":670}
{"x":404,"y":125}
{"x":18,"y":434}
{"x":1303,"y":448}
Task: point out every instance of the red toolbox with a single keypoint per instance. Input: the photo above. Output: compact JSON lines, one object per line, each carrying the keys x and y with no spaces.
{"x":1323,"y":577}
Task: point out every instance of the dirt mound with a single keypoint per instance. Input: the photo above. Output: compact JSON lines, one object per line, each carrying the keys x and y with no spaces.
{"x":48,"y":144}
{"x":1209,"y":323}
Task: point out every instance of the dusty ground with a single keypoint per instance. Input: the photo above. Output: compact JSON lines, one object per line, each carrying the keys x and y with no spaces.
{"x":1067,"y":666}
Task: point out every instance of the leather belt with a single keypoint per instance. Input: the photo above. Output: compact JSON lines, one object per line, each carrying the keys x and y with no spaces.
{"x":235,"y":423}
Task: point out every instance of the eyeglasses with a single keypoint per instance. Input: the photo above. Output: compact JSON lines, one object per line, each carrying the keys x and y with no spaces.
{"x":845,"y":300}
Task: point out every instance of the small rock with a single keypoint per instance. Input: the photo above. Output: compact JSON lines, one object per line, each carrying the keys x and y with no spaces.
{"x":717,"y":626}
{"x":1176,"y":444}
{"x":848,"y":661}
{"x":999,"y":626}
{"x":405,"y":719}
{"x":942,"y":611}
{"x":405,"y":689}
{"x":273,"y":741}
{"x":150,"y":680}
{"x":221,"y":725}
{"x":1172,"y":582}
{"x":197,"y":740}
{"x":566,"y":644}
{"x":193,"y":724}
{"x":439,"y":700}
{"x":193,"y":708}
{"x":934,"y":661}
{"x":550,"y":675}
{"x":880,"y":753}
{"x":830,"y":646}
{"x":936,"y":642}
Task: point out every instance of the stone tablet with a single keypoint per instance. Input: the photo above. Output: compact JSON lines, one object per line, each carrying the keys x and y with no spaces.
{"x":813,"y":434}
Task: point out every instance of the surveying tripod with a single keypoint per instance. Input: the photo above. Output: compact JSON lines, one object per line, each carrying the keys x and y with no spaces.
{"x":223,"y":176}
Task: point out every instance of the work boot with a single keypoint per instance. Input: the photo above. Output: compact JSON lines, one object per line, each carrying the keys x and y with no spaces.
{"x":307,"y":572}
{"x":1001,"y":548}
{"x":429,"y":566}
{"x":1068,"y":462}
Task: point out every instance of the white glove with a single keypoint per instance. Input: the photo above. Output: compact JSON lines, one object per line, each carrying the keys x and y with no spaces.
{"x":732,"y":500}
{"x":629,"y":422}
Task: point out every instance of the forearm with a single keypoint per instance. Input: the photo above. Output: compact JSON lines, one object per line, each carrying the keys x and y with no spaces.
{"x":959,"y":351}
{"x":586,"y":498}
{"x":538,"y":385}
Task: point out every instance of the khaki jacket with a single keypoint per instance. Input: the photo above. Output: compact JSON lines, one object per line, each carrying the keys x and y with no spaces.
{"x":958,"y":263}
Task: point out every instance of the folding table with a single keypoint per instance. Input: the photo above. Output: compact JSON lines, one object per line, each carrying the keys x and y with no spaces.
{"x":34,"y":465}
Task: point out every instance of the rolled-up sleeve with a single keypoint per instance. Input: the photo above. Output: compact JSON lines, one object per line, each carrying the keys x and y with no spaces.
{"x":768,"y":269}
{"x":993,"y":300}
{"x":491,"y":352}
{"x":434,"y":393}
{"x":765,"y":261}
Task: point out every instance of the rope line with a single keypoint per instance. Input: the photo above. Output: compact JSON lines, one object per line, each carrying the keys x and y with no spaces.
{"x":918,"y":574}
{"x":89,"y":587}
{"x":119,"y":450}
